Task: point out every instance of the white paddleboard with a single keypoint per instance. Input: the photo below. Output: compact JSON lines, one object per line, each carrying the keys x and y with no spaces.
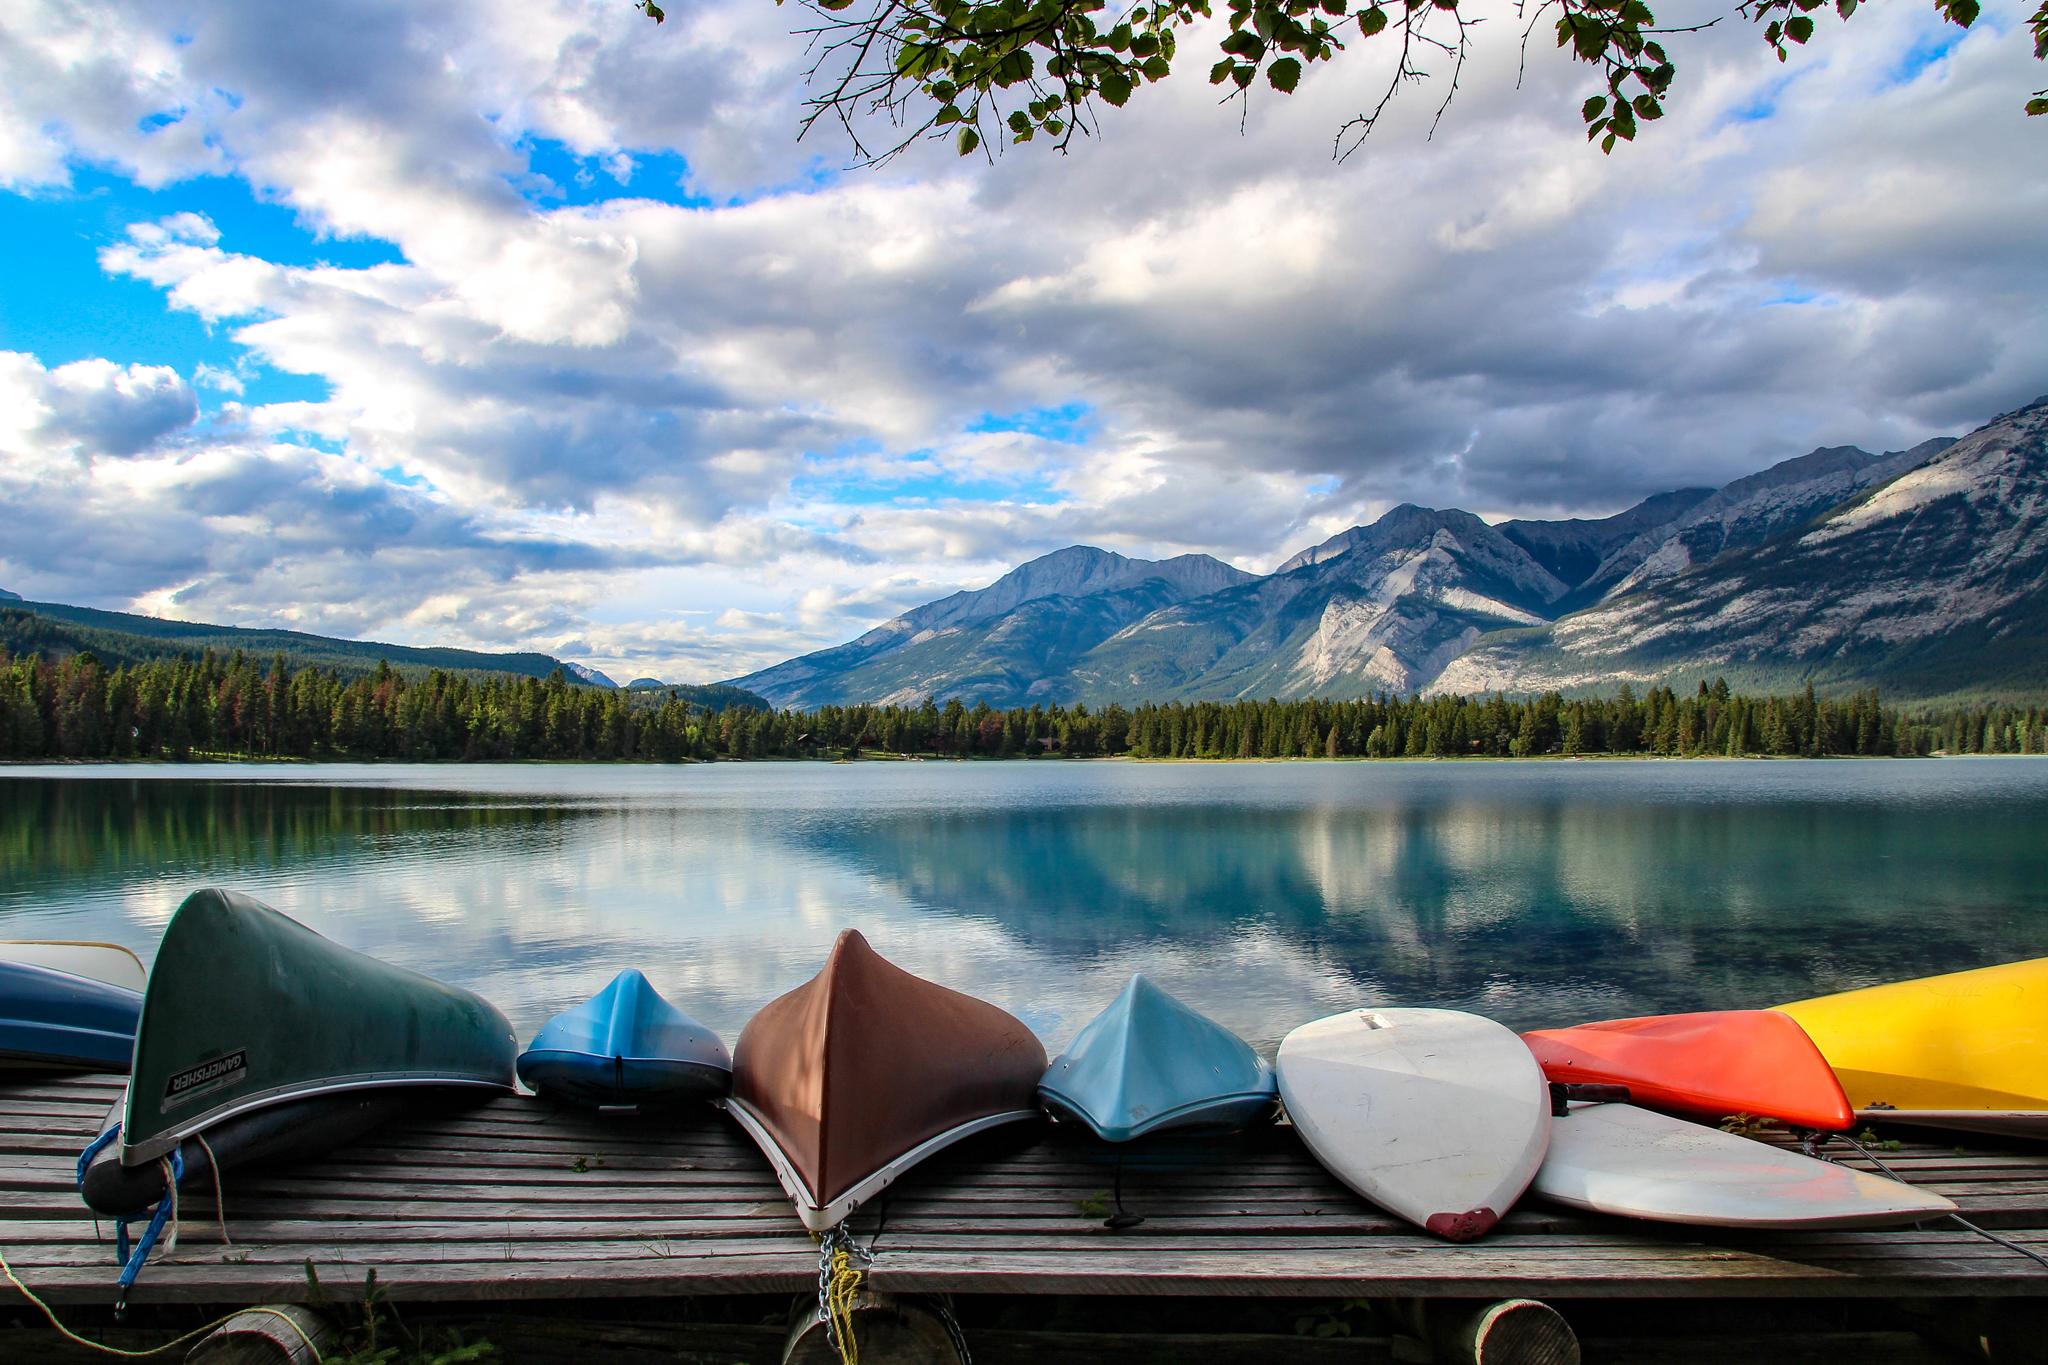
{"x":1616,"y":1158}
{"x":106,"y":962}
{"x":1435,"y":1115}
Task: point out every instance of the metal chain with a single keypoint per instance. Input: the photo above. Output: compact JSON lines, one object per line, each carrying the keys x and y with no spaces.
{"x":837,"y":1238}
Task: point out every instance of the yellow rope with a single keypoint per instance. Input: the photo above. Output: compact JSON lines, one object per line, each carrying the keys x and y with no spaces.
{"x":842,"y":1293}
{"x":70,"y":1335}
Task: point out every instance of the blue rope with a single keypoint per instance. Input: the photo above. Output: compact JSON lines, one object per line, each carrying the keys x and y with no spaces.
{"x":94,"y":1148}
{"x":147,"y":1242}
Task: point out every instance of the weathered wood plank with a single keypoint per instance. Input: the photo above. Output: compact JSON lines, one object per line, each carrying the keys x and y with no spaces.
{"x":489,"y":1205}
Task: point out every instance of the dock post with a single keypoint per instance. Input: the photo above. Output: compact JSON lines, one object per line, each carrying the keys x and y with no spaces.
{"x":1499,"y":1332}
{"x":898,"y":1331}
{"x":265,"y":1337}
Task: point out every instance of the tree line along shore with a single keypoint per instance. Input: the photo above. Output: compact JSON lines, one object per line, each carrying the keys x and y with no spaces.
{"x":213,"y":707}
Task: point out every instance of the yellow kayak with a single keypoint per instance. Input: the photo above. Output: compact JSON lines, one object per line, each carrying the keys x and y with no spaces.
{"x":1965,"y":1050}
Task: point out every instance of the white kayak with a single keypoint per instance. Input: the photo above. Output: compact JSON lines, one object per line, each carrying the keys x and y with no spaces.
{"x":108,"y":962}
{"x":1438,"y":1116}
{"x":1618,"y":1159}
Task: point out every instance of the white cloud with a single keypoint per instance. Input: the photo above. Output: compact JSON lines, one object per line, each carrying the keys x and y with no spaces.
{"x":546,"y":411}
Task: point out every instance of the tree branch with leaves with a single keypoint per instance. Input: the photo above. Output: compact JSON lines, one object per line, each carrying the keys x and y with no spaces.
{"x":979,"y":71}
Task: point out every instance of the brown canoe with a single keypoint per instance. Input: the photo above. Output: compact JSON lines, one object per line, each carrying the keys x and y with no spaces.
{"x":857,"y":1075}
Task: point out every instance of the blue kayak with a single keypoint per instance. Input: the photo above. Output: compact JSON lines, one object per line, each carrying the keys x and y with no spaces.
{"x":56,"y":1019}
{"x":626,"y":1046}
{"x":1149,"y":1063}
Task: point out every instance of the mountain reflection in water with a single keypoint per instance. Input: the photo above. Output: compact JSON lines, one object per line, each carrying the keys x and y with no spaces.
{"x":1264,"y":893}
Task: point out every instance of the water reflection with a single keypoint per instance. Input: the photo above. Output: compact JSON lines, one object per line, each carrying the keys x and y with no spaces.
{"x":1537,"y":893}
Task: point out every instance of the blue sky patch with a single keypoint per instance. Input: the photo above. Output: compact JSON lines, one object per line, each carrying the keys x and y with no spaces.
{"x":557,"y":176}
{"x":68,"y":309}
{"x":913,"y":481}
{"x":1067,"y":423}
{"x":1931,"y":47}
{"x":1763,"y":104}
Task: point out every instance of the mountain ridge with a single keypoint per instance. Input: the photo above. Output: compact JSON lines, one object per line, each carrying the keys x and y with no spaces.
{"x":1438,"y":599}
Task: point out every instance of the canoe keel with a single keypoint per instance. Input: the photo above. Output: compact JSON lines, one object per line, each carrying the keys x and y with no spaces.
{"x":854,"y":1077}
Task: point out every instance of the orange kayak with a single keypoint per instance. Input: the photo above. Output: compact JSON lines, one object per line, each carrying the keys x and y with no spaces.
{"x":1706,"y":1065}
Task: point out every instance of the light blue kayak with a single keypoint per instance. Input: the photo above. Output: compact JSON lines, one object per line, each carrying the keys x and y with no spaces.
{"x":64,"y":1020}
{"x":1148,"y":1063}
{"x":626,"y":1046}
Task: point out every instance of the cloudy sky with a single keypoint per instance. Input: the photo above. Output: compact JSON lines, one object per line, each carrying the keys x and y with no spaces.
{"x":534,"y":326}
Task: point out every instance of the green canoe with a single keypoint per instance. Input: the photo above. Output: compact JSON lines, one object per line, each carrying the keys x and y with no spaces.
{"x":248,"y":1009}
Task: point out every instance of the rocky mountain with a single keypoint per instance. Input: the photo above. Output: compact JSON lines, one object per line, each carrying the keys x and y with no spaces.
{"x":1914,"y":569}
{"x":1574,"y":549}
{"x":1006,"y":642}
{"x":584,"y":673}
{"x":1748,"y":512}
{"x":1398,"y":601}
{"x":1932,"y":582}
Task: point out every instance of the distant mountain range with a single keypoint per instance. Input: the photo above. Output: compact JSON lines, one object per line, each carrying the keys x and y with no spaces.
{"x":53,"y":629}
{"x":1922,"y":571}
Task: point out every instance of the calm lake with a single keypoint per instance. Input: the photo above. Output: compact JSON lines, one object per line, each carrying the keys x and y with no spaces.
{"x":1264,"y":893}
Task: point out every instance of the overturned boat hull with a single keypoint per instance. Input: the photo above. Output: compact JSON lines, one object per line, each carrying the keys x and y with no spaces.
{"x":626,"y":1047}
{"x":248,"y":1011}
{"x":57,"y":1017}
{"x":1149,"y":1064}
{"x":1965,"y":1050}
{"x":850,"y":1080}
{"x":1707,"y":1065}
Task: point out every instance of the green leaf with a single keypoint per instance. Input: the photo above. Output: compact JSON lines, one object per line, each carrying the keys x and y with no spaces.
{"x":1242,"y":75}
{"x":1284,"y":75}
{"x":1607,"y":144}
{"x":1019,"y":121}
{"x":1220,"y":72}
{"x":652,"y":10}
{"x":1845,"y":8}
{"x":1054,"y":127}
{"x":1592,"y":107}
{"x":1155,"y":68}
{"x":1962,"y":12}
{"x":1114,"y":87}
{"x":949,"y":114}
{"x":2037,"y":107}
{"x":1799,"y":28}
{"x":969,"y":140}
{"x":1647,"y":108}
{"x":1372,"y":21}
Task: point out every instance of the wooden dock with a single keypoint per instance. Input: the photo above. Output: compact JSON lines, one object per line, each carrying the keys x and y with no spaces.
{"x":518,"y":1200}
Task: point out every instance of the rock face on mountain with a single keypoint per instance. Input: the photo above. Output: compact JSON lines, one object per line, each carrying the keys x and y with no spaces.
{"x":1402,"y":598}
{"x":1933,"y":582}
{"x":1746,"y":513}
{"x":1000,"y":642}
{"x":1573,"y":550}
{"x":1920,"y":570}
